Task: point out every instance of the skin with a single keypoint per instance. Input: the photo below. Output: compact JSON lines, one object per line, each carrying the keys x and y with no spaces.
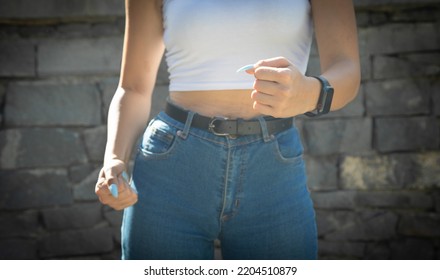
{"x":280,"y":90}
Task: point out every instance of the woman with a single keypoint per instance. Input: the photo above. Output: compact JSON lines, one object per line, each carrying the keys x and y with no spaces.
{"x":224,"y":160}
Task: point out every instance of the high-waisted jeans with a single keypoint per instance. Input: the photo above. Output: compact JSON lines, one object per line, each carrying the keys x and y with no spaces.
{"x":195,"y":187}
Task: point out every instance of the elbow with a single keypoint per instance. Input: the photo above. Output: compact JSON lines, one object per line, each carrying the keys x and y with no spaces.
{"x":355,"y":81}
{"x":349,"y":86}
{"x":354,"y":84}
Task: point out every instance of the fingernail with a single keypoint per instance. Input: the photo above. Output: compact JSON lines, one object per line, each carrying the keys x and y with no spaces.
{"x":125,"y":176}
{"x":114,"y":190}
{"x":246,"y":67}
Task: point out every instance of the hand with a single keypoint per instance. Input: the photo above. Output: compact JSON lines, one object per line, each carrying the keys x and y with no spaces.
{"x":110,"y":174}
{"x":281,"y":90}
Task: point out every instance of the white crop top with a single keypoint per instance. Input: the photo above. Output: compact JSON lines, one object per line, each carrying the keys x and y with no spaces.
{"x":208,"y":40}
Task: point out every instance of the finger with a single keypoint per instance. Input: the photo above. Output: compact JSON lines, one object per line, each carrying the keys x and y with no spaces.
{"x":120,"y":204}
{"x":271,"y":74}
{"x":101,"y":187}
{"x":263,"y":108}
{"x":110,"y":188}
{"x":267,"y":87}
{"x":263,"y":98}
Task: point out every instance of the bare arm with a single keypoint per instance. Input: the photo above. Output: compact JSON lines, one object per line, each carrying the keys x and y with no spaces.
{"x":281,"y":90}
{"x":130,"y":107}
{"x":142,"y":52}
{"x":336,"y":35}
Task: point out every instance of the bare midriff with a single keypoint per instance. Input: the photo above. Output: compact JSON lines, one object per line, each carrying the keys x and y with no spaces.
{"x":232,"y":104}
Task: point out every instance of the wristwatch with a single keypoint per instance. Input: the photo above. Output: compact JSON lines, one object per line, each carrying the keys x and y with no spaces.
{"x":325,"y":98}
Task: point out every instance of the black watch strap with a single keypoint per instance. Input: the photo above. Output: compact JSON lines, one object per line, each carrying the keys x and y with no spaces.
{"x":325,"y":98}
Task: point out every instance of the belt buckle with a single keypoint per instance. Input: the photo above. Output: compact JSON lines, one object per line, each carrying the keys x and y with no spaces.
{"x":211,"y":126}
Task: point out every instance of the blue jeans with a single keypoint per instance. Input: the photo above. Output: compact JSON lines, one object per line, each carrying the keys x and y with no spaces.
{"x":195,"y":187}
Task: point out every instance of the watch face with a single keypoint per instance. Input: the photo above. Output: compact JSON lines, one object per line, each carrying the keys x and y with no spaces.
{"x":325,"y":98}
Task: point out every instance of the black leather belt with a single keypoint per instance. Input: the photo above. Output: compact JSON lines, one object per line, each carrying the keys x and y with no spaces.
{"x":226,"y":127}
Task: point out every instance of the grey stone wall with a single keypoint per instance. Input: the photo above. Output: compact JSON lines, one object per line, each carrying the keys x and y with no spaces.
{"x":373,"y":167}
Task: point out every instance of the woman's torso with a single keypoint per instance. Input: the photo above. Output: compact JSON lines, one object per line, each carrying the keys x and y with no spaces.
{"x":207,"y":41}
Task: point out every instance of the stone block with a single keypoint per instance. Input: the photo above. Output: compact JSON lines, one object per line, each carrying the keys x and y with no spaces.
{"x":421,"y":13}
{"x":103,"y":29}
{"x":117,"y":238}
{"x":46,"y":104}
{"x":19,"y":224}
{"x":85,"y":190}
{"x":40,"y":147}
{"x":17,"y":58}
{"x":78,"y":172}
{"x":437,"y":202}
{"x":366,"y":172}
{"x":406,"y":134}
{"x":405,"y":66}
{"x":114,"y":217}
{"x":436,"y":97}
{"x":334,"y":200}
{"x":378,"y":250}
{"x":2,"y":100}
{"x":78,"y":216}
{"x":59,"y":9}
{"x":399,"y":38}
{"x":367,"y":226}
{"x":372,"y":199}
{"x":366,"y":66}
{"x":391,"y":172}
{"x":322,"y":173}
{"x":341,"y":250}
{"x":398,"y":97}
{"x":95,"y":140}
{"x":34,"y":31}
{"x":329,"y":222}
{"x":24,"y":189}
{"x":18,"y":249}
{"x":77,"y":242}
{"x":420,"y":225}
{"x":335,"y":136}
{"x":74,"y":30}
{"x":108,"y":88}
{"x":362,"y":19}
{"x":412,"y":249}
{"x":80,"y":56}
{"x":395,"y":200}
{"x":378,"y":17}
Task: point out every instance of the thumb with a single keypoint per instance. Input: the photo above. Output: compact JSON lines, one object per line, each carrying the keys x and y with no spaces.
{"x":277,"y":62}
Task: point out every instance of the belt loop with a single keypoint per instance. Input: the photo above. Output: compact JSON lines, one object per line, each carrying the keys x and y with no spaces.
{"x":263,"y":124}
{"x":184,"y":133}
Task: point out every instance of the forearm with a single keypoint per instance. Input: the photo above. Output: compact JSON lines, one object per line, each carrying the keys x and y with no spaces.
{"x":128,"y":114}
{"x":344,"y":76}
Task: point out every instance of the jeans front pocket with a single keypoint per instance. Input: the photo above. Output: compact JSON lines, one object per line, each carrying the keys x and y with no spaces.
{"x":158,"y":140}
{"x":288,"y":146}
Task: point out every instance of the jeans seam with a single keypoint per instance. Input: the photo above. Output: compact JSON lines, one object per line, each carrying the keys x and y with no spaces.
{"x":225,"y":185}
